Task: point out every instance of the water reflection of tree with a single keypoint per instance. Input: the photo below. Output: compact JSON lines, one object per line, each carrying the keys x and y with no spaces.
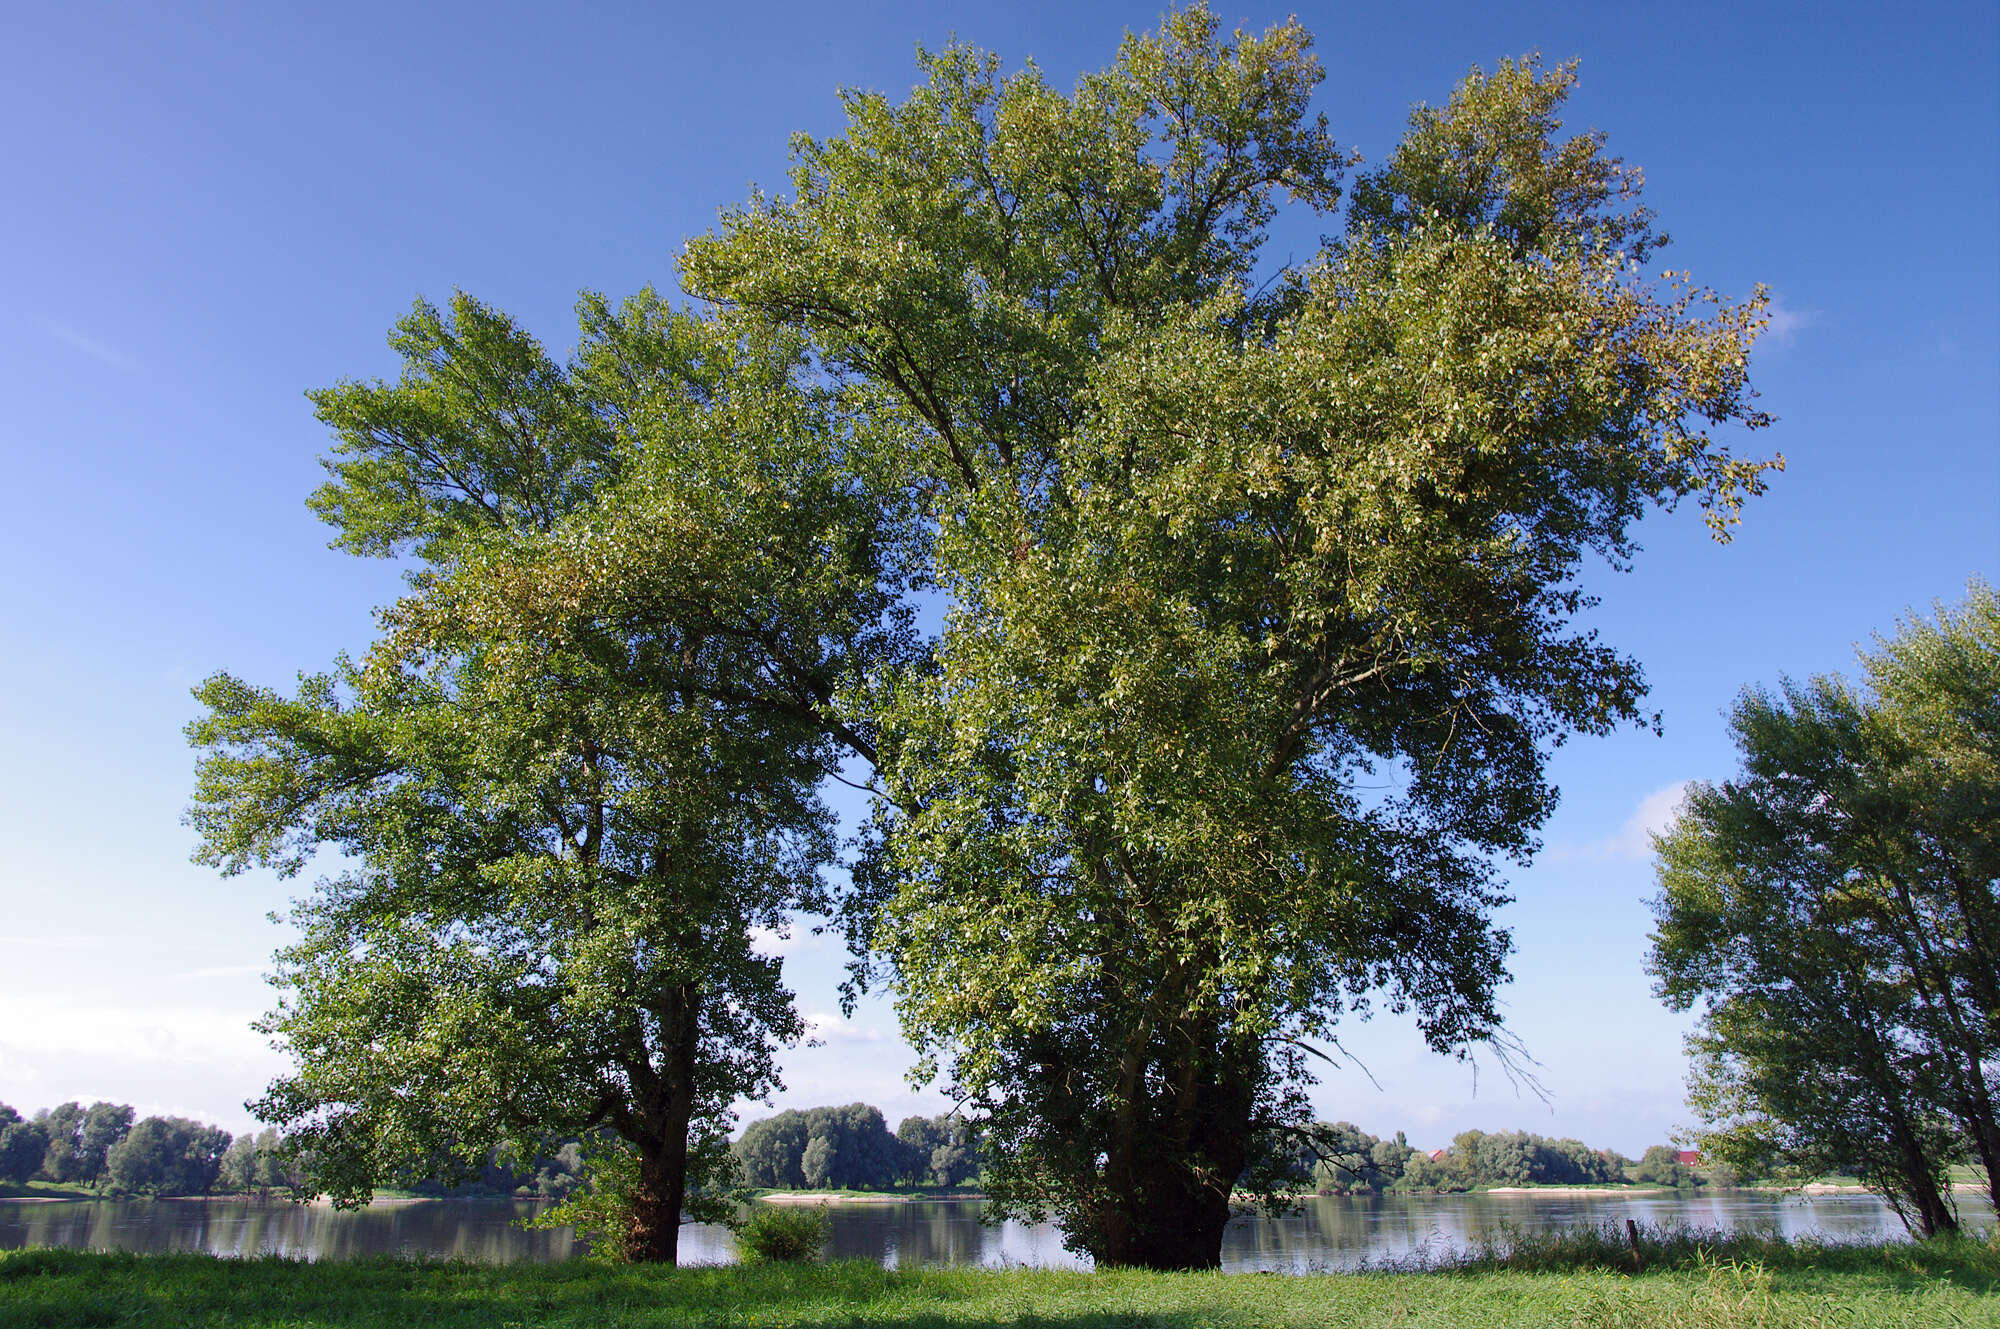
{"x":1328,"y":1233}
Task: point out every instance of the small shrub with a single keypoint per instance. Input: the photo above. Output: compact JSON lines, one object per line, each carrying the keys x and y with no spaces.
{"x":782,"y":1234}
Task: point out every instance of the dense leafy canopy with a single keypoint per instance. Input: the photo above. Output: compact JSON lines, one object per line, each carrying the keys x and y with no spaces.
{"x":23,"y":1146}
{"x":558,"y":832}
{"x":851,"y":1148}
{"x":1261,"y":585}
{"x":1224,"y":562}
{"x":1834,"y":914}
{"x":259,"y":1162}
{"x":167,"y":1156}
{"x":80,"y":1139}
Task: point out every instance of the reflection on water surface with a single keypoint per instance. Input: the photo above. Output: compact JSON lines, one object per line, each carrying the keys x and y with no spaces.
{"x":1329,"y":1234}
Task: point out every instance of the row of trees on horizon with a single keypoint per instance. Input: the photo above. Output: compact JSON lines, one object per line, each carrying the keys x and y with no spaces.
{"x":824,"y":1148}
{"x":851,"y":1148}
{"x":104,"y":1148}
{"x":107,"y":1148}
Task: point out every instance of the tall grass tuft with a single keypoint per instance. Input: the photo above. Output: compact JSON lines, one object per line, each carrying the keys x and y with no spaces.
{"x":1734,"y":1295}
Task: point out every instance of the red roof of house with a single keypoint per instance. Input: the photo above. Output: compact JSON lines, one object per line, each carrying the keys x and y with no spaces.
{"x":1691,"y":1157}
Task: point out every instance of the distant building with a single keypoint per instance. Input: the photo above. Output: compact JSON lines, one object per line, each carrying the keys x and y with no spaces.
{"x":1437,"y":1155}
{"x":1688,"y":1157}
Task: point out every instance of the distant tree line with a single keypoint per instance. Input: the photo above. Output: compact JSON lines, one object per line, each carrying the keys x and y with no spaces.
{"x":1344,"y":1159}
{"x":101,"y":1146}
{"x":104,"y":1147}
{"x":822,"y":1148}
{"x":850,"y":1148}
{"x":552,"y":1172}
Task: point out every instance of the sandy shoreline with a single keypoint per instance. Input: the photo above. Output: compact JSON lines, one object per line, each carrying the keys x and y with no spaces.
{"x":1572,"y":1190}
{"x":877,"y":1197}
{"x":1830,"y":1188}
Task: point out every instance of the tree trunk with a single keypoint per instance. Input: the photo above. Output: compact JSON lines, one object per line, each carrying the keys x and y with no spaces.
{"x":1170,"y":1220}
{"x":1170,"y":1175}
{"x":655,"y":1232}
{"x":1976,"y":1112}
{"x":1966,"y":1042}
{"x":1934,"y":1214}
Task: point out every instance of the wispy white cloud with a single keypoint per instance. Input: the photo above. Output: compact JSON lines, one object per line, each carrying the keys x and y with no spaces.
{"x":91,"y":347}
{"x":1787,"y":322}
{"x":830,"y":1028}
{"x":149,"y":1034}
{"x":226,"y":971}
{"x":75,"y":942}
{"x":1632,"y":841}
{"x":794,"y":939}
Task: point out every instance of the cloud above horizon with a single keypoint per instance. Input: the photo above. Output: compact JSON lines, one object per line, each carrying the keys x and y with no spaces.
{"x":1633,"y":840}
{"x":830,"y":1028}
{"x":1787,"y":321}
{"x":795,"y":937}
{"x":90,"y":346}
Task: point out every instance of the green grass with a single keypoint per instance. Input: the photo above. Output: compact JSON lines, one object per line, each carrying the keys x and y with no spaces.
{"x":1801,"y":1287}
{"x":1681,"y":1249}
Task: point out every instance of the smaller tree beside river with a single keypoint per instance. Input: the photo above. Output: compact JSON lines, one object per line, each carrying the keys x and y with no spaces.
{"x":556,"y":833}
{"x":1834,"y":914}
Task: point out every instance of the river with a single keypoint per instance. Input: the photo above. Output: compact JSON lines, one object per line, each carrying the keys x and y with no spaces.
{"x":1330,"y":1233}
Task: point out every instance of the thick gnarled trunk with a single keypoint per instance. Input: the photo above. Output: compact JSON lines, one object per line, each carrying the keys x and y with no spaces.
{"x":660,"y":1193}
{"x":655,"y":1231}
{"x":1174,"y":1158}
{"x":1170,"y":1219}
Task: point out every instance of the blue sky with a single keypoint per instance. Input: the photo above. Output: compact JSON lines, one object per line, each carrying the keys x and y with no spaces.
{"x":214,"y":208}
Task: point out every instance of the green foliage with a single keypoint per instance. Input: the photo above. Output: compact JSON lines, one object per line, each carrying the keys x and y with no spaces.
{"x":600,"y":1210}
{"x":943,"y":1151}
{"x":1835,"y":915}
{"x":1225,"y":565}
{"x":1518,"y":1158}
{"x":80,"y":1139}
{"x":168,"y":1156}
{"x":484,"y":438}
{"x":562,"y":819}
{"x":1661,"y":1166}
{"x":850,"y":1148}
{"x":1262,"y":623}
{"x":782,"y":1234}
{"x":23,"y":1146}
{"x":262,"y":1162}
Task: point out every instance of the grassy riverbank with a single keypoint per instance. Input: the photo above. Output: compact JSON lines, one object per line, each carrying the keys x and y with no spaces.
{"x":1799,"y":1287}
{"x":46,"y":1190}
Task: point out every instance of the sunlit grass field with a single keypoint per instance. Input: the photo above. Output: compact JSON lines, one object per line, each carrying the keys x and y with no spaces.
{"x":1580,"y":1279}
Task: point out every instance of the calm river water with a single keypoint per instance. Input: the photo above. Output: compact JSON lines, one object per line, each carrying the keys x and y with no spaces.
{"x":1330,"y":1234}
